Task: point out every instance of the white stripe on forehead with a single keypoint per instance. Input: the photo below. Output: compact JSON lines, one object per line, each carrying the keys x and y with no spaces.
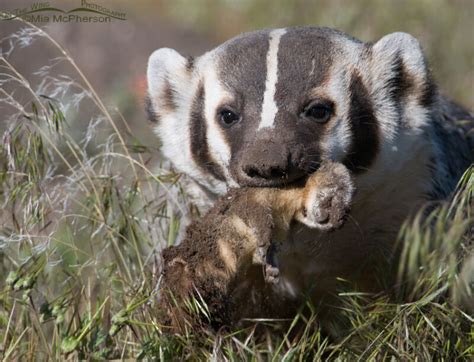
{"x":269,"y":107}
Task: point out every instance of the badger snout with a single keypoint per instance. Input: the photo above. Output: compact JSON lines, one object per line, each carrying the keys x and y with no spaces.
{"x":271,"y":164}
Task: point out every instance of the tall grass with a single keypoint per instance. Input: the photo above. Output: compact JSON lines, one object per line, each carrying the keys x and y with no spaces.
{"x":85,"y":210}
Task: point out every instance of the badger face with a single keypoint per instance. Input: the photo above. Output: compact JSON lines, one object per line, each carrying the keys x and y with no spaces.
{"x":265,"y":108}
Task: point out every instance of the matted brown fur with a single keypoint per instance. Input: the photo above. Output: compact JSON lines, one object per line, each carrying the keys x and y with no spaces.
{"x":224,"y":256}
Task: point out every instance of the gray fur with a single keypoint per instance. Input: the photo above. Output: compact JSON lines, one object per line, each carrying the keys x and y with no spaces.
{"x":452,"y":133}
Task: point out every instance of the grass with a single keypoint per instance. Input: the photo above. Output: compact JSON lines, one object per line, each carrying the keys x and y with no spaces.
{"x":85,"y":209}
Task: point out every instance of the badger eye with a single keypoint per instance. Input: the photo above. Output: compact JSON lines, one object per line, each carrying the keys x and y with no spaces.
{"x":228,"y":118}
{"x":318,"y":112}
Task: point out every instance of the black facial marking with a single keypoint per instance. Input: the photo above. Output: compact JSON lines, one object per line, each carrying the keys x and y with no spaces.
{"x":199,"y":147}
{"x":152,"y":115}
{"x":242,"y":69}
{"x":365,"y":142}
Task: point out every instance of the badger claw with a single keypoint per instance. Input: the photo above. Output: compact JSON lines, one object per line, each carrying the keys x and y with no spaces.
{"x":272,"y":274}
{"x":265,"y":255}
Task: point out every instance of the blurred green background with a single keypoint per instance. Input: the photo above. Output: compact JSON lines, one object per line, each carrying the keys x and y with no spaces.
{"x":113,"y":56}
{"x":444,"y":27}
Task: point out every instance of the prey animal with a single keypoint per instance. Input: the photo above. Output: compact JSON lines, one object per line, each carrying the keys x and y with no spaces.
{"x":231,"y":249}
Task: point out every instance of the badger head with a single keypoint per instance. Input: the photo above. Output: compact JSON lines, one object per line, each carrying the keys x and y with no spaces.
{"x":267,"y":107}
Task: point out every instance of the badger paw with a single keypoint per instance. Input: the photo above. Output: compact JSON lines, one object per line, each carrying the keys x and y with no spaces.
{"x":327,"y":197}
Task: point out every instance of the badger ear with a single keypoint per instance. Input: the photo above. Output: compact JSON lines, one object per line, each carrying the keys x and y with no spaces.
{"x":401,"y":69}
{"x":167,"y":75}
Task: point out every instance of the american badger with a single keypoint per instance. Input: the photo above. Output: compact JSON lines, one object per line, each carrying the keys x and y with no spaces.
{"x":230,"y":252}
{"x":266,"y":108}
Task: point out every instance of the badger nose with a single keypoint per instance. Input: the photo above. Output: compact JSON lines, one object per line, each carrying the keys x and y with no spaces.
{"x":270,"y":172}
{"x":269,"y":164}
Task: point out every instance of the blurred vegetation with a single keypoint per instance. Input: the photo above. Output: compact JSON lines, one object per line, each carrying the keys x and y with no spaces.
{"x":444,"y":27}
{"x":86,"y":207}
